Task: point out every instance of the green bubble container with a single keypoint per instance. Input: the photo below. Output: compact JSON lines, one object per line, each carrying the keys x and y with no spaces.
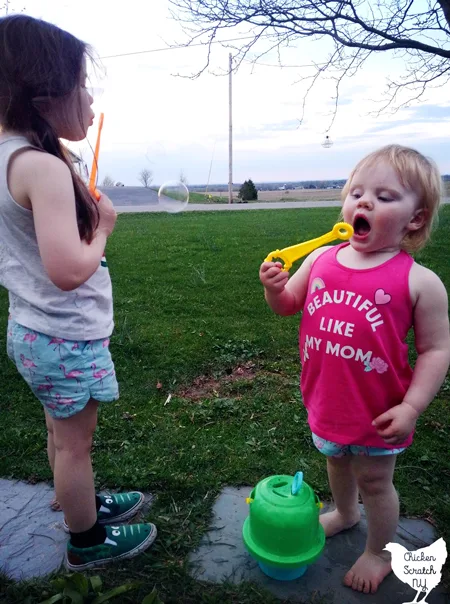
{"x":282,"y":531}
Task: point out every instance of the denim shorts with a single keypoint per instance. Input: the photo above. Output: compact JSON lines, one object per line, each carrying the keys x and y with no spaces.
{"x":331,"y":449}
{"x":63,"y":374}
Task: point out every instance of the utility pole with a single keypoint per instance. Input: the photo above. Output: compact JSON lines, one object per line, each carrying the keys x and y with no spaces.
{"x":230,"y":151}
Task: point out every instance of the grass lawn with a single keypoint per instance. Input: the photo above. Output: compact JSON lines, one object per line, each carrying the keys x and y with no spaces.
{"x":191,"y":320}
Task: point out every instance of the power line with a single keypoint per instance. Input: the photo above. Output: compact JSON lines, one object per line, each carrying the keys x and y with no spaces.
{"x":179,"y":46}
{"x":176,"y":47}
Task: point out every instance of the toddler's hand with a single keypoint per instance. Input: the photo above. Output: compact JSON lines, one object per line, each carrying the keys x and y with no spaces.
{"x":394,"y":426}
{"x":272,"y":277}
{"x":108,"y":215}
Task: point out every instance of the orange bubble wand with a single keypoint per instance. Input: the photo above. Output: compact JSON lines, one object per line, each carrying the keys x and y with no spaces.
{"x":93,"y":176}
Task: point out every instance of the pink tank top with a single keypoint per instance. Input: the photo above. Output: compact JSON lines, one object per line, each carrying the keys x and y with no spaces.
{"x":352,"y":347}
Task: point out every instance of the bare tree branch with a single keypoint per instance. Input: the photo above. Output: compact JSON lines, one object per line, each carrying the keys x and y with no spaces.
{"x":108,"y":181}
{"x":418,"y":32}
{"x":145,"y":177}
{"x":7,"y":8}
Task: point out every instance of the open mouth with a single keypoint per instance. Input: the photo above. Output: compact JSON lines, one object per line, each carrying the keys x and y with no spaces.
{"x":361,"y":226}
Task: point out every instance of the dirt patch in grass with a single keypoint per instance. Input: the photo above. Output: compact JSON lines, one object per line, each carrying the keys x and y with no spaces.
{"x":207,"y":386}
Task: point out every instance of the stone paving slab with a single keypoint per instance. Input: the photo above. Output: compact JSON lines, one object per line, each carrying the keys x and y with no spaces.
{"x":222,"y":556}
{"x":32,"y":539}
{"x":32,"y":544}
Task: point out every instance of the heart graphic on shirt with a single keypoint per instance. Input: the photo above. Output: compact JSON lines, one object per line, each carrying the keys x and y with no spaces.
{"x":381,"y":297}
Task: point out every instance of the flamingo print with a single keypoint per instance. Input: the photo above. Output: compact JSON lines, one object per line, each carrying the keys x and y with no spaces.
{"x":28,"y":364}
{"x":30,"y":337}
{"x":65,"y":402}
{"x":90,"y":345}
{"x":58,"y":342}
{"x":106,"y":343}
{"x":47,"y":387}
{"x":99,"y":374}
{"x":75,"y":346}
{"x":72,"y":375}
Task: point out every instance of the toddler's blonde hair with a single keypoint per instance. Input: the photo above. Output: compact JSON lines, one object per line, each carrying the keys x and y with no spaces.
{"x":417,"y":173}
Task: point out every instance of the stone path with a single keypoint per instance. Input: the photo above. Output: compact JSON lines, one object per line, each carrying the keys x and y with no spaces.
{"x":32,"y":539}
{"x":32,"y":544}
{"x":222,"y":556}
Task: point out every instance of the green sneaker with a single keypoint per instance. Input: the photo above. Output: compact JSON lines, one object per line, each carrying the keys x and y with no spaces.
{"x":117,"y":507}
{"x":124,"y":541}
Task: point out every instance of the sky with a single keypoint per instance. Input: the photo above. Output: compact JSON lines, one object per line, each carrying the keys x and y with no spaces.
{"x":159,"y":118}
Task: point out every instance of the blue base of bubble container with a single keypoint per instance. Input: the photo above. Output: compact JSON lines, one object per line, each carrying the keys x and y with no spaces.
{"x":282,"y":574}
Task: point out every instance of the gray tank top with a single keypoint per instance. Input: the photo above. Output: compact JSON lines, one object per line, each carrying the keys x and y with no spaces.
{"x":86,"y":313}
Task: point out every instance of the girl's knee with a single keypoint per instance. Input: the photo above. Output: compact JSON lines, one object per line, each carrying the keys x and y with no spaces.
{"x":75,"y":434}
{"x":76,"y":449}
{"x":374,"y":475}
{"x":372,"y":482}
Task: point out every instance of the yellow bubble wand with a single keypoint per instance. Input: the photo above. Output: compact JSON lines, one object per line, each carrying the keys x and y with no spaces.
{"x":288,"y":255}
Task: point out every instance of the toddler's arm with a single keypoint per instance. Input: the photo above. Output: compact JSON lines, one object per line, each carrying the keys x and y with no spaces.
{"x":432,"y":336}
{"x":431,"y":328}
{"x":287,"y":296}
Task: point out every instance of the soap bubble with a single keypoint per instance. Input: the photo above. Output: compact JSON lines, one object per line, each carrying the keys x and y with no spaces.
{"x":173,"y":196}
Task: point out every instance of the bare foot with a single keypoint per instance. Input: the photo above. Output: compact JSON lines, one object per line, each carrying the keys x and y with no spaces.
{"x":334,"y":522}
{"x":55,"y":505}
{"x":368,"y":572}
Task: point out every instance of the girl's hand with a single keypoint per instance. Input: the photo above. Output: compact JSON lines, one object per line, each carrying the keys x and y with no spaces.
{"x":108,"y":215}
{"x":272,"y":277}
{"x":394,"y":426}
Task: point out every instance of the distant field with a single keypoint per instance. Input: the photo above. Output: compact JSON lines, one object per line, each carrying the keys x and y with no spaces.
{"x":297,"y":195}
{"x":289,"y":195}
{"x":300,"y":195}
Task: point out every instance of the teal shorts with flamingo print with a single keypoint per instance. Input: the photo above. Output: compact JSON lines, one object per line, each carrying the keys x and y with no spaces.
{"x":63,"y":374}
{"x":332,"y":449}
